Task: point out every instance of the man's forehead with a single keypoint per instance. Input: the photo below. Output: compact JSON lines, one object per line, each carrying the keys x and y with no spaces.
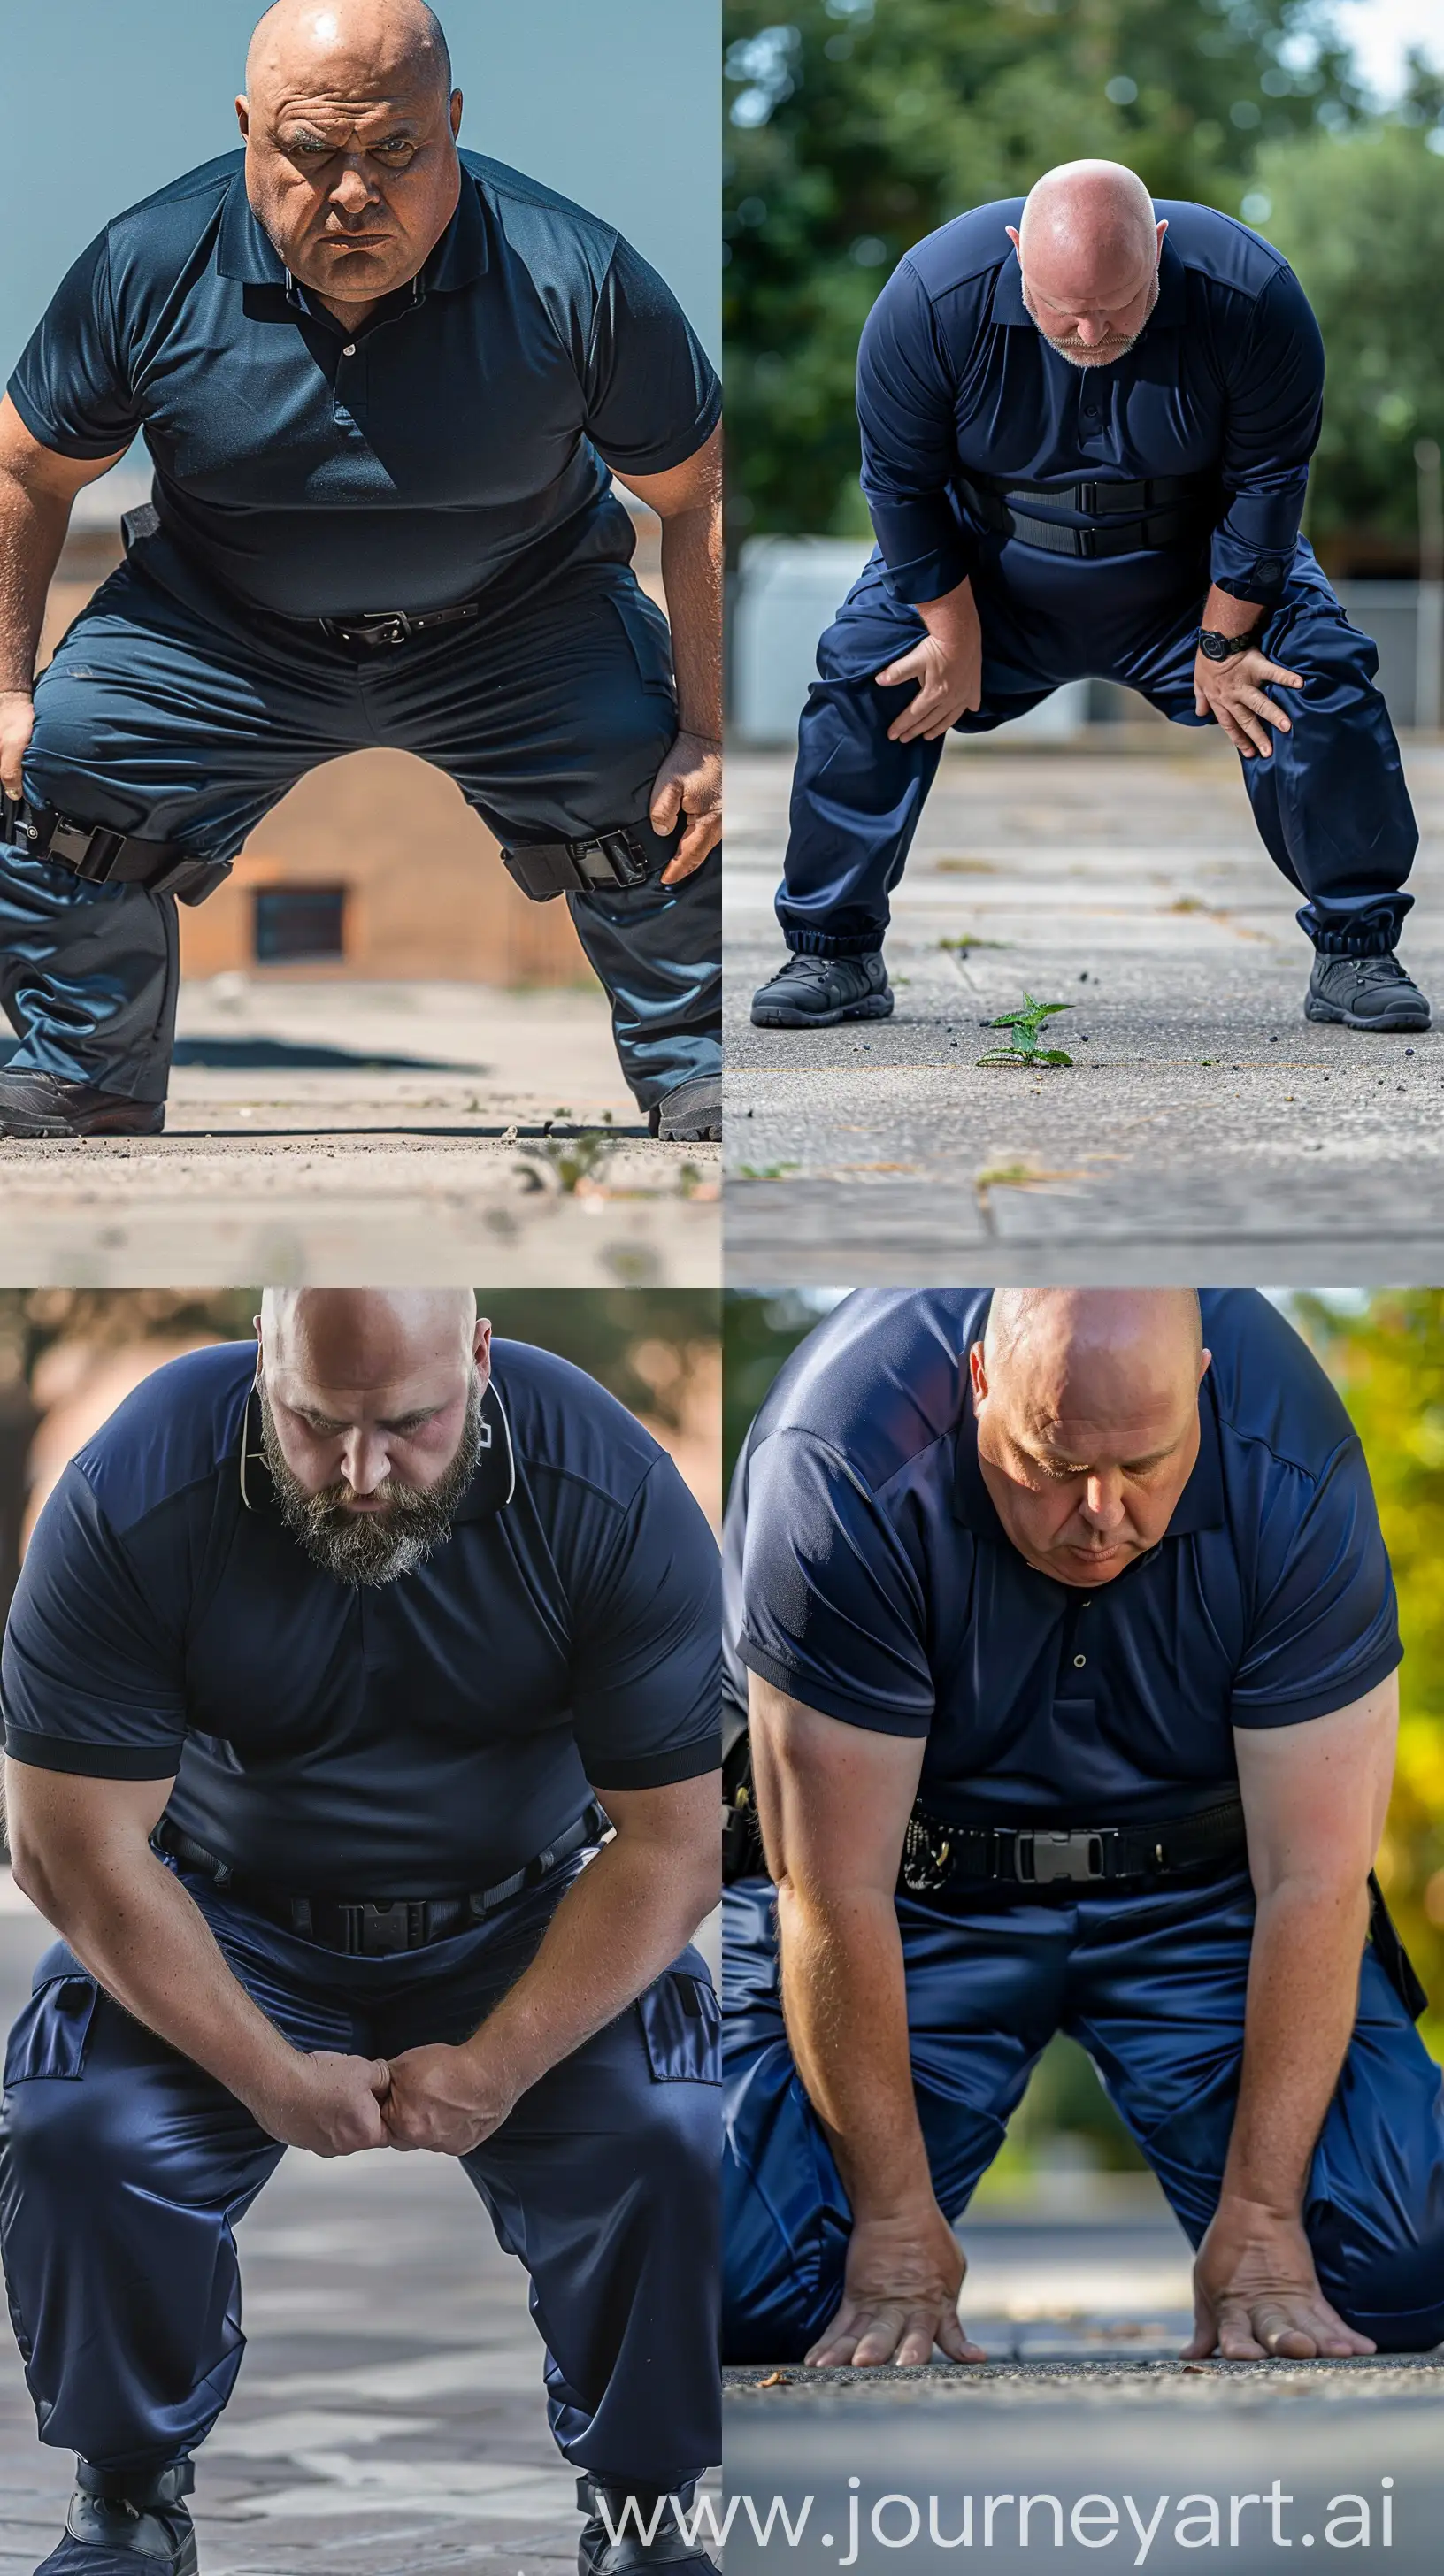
{"x":390,"y":107}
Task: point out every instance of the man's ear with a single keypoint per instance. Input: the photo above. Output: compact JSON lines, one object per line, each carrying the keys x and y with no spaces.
{"x":1204,"y":1365}
{"x":978,"y":1373}
{"x":455,"y":114}
{"x":1015,"y":237}
{"x":481,"y":1341}
{"x":243,"y":115}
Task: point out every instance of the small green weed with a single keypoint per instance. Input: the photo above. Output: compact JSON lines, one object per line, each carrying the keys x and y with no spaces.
{"x":1027,"y":1027}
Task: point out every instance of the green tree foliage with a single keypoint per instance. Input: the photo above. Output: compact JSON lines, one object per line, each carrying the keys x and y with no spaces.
{"x":1388,"y":1361}
{"x":856,"y":126}
{"x":1362,"y":219}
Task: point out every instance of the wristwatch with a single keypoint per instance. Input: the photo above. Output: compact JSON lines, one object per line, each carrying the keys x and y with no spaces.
{"x":1221,"y":648}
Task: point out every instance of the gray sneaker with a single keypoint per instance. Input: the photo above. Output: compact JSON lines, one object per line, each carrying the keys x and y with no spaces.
{"x":1371,"y":993}
{"x":817,"y":992}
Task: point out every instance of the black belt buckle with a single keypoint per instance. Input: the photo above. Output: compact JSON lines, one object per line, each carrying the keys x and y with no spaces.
{"x":1058,"y":1856}
{"x":385,"y":626}
{"x":609,"y":861}
{"x":383,"y":1930}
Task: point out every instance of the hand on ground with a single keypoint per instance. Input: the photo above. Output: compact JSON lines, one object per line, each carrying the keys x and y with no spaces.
{"x":900,"y":2296}
{"x":1233,"y":693}
{"x":1256,"y":2293}
{"x":689,"y":782}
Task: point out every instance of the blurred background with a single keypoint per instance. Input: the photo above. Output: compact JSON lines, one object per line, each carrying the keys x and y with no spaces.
{"x":1384,"y":1351}
{"x":854,"y":127}
{"x":373,"y":869}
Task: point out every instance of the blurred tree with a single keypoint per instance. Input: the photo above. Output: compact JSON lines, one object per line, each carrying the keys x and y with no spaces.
{"x":1387,"y":1358}
{"x":854,"y":129}
{"x":759,"y":1330}
{"x":1362,"y":219}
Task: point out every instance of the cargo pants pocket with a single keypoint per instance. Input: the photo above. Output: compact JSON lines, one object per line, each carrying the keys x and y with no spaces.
{"x":681,"y":2027}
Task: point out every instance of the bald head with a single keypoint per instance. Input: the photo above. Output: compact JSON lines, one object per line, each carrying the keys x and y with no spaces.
{"x":1086,"y":1402}
{"x":1088,"y":249}
{"x":371,"y":1419}
{"x":350,"y":122}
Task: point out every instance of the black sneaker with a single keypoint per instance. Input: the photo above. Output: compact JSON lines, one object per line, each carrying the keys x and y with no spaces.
{"x":127,"y":2526}
{"x":690,"y":1115}
{"x":40,"y":1104}
{"x":817,"y":992}
{"x":646,"y":2531}
{"x":1372,"y":993}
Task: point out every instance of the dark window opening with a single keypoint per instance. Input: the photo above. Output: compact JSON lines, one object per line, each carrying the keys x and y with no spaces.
{"x":299,"y":921}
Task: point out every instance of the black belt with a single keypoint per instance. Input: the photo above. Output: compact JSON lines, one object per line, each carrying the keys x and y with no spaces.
{"x":939,"y":1856}
{"x":1156,"y":513}
{"x":377,"y":1927}
{"x":379,"y":627}
{"x":106,"y":857}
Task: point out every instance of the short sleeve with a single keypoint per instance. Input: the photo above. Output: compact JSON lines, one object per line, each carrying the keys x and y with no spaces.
{"x":1325,"y":1628}
{"x":652,"y":396}
{"x":646,"y":1691}
{"x":832,"y":1609}
{"x":72,"y":385}
{"x":91,"y":1679}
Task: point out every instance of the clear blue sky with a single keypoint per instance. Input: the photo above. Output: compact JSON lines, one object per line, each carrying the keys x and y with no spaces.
{"x":616,"y":105}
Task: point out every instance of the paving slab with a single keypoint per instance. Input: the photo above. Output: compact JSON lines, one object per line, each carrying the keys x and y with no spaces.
{"x":385,"y":1135}
{"x":389,"y":2419}
{"x":1204,"y":1128}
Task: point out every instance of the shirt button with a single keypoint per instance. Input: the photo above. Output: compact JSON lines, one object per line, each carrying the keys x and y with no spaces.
{"x":350,"y":349}
{"x":1078,"y":1663}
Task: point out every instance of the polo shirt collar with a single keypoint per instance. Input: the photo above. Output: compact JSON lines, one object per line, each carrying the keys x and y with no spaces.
{"x":1199,"y":1506}
{"x":245,"y":250}
{"x":1011,"y":312}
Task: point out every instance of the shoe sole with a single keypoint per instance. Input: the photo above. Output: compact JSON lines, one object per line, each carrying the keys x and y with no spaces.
{"x":878,"y":1006}
{"x":41,"y":1131}
{"x":1406,"y":1023}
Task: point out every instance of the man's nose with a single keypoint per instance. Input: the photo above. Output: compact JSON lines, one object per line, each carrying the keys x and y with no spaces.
{"x":1103,"y":1503}
{"x":1090,"y":329}
{"x":364,"y":1461}
{"x":354,"y":190}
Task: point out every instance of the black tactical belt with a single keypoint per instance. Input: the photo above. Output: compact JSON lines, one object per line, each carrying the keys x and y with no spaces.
{"x":105,"y":857}
{"x":607,"y":861}
{"x":1145,"y":515}
{"x":380,"y":1927}
{"x":941,"y":1857}
{"x":378,"y":628}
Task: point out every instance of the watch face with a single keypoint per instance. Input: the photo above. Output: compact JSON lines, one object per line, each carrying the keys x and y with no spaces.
{"x":1215,"y":647}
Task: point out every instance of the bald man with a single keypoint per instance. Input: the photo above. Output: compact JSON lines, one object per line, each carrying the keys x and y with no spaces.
{"x":361,"y":1740}
{"x":1086,"y":430}
{"x":385,"y":386}
{"x":1068,"y":1638}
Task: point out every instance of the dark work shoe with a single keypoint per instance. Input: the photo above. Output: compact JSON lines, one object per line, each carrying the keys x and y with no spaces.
{"x":817,"y":992}
{"x":40,"y":1104}
{"x":127,"y":2526}
{"x":1372,"y":993}
{"x":645,"y":2526}
{"x":690,"y":1115}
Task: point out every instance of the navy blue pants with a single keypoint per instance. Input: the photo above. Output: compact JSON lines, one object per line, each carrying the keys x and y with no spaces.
{"x":124,"y":2170}
{"x":1330,"y":803}
{"x":1153,"y":1987}
{"x":170,"y":710}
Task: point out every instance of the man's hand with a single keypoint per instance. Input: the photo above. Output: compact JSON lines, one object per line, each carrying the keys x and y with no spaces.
{"x":947,"y":666}
{"x":17,"y":723}
{"x":900,"y":2295}
{"x":1233,"y":693}
{"x":1256,"y":2293}
{"x":329,"y":2103}
{"x":443,"y":2099}
{"x":689,"y":782}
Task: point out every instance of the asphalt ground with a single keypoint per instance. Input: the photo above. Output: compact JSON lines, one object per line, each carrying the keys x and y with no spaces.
{"x":379,"y":1135}
{"x":389,"y":2419}
{"x":1204,"y":1128}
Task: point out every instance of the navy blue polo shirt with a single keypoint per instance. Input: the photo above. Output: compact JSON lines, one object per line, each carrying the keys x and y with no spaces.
{"x":459,"y":440}
{"x":416,"y":1738}
{"x":1225,"y":380}
{"x":867,"y":1573}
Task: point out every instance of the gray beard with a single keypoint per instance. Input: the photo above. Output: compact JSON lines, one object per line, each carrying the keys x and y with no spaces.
{"x":1086,"y":361}
{"x":374,"y":1547}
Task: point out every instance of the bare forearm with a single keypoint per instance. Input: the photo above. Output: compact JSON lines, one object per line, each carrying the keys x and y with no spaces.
{"x":620,"y":1923}
{"x":950,"y":618}
{"x":1303,"y":1991}
{"x":149,"y":1946}
{"x":32,"y":532}
{"x":845,"y":2003}
{"x":1225,"y":615}
{"x":692,"y":579}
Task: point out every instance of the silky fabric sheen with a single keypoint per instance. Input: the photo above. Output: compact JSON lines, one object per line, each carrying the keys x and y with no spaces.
{"x":1152,"y":1985}
{"x":124,"y":2170}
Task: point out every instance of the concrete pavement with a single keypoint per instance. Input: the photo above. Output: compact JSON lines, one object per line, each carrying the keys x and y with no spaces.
{"x":1204,"y":1125}
{"x":390,"y":1134}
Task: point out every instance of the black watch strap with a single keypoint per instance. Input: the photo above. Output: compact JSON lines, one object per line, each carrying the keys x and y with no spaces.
{"x":1221,"y":648}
